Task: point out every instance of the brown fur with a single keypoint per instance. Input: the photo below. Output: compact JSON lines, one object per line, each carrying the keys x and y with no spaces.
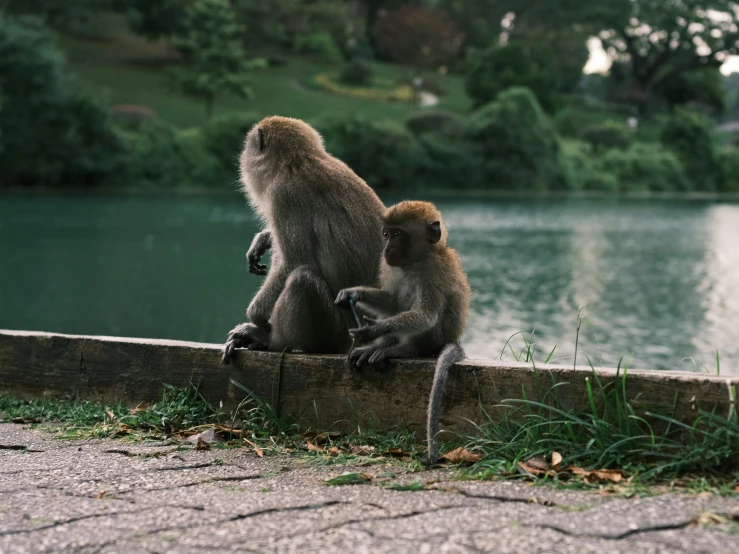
{"x":422,"y":306}
{"x":323,"y":224}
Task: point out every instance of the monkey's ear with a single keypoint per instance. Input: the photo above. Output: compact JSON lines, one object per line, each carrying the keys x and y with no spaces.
{"x":260,"y":134}
{"x":433,"y":232}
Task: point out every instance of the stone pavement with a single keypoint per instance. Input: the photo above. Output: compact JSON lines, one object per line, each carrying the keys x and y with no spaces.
{"x":158,"y":499}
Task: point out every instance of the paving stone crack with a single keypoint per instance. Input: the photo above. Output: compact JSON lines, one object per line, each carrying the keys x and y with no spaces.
{"x":65,"y":522}
{"x":288,"y":509}
{"x":513,"y":499}
{"x":618,"y":537}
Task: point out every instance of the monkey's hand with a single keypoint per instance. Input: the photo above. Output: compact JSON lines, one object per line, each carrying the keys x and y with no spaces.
{"x":367,"y":332}
{"x":259,"y":246}
{"x":345,"y":295}
{"x":246,"y":335}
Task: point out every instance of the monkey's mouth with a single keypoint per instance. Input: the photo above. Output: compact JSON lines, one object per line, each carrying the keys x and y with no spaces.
{"x":393,"y":257}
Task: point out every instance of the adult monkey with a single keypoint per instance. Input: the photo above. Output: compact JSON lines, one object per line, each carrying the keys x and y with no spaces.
{"x":324,"y":226}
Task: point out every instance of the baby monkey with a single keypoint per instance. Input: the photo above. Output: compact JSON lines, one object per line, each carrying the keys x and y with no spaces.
{"x":422,"y":306}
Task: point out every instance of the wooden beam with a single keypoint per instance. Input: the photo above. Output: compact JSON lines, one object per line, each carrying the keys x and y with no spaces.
{"x":320,"y":390}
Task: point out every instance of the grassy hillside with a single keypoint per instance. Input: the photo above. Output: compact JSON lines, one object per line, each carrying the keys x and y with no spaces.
{"x":127,"y":69}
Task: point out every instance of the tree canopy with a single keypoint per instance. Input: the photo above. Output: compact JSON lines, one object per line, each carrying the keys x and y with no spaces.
{"x":212,"y":58}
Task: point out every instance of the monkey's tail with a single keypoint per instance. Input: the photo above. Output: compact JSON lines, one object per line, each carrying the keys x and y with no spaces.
{"x":450,"y":355}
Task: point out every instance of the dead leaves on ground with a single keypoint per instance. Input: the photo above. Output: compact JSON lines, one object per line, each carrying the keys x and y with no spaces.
{"x":461,"y":455}
{"x":539,"y":466}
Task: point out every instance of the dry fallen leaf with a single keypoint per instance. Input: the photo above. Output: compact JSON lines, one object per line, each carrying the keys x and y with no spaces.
{"x":140,"y":408}
{"x":598,"y":475}
{"x":312,"y":447}
{"x":525,"y":468}
{"x":364,"y":450}
{"x":397,"y":452}
{"x":461,"y":455}
{"x":202,"y":445}
{"x":100,"y":494}
{"x":707,"y":518}
{"x":258,"y":450}
{"x":121,"y":431}
{"x":556,"y":460}
{"x":111,"y":415}
{"x":334,"y":451}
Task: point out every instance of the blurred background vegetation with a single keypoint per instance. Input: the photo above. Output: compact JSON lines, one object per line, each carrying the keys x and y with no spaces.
{"x":412,"y":94}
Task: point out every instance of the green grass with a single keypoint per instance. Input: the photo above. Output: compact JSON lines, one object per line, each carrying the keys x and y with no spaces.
{"x":126,"y":69}
{"x":648,"y":446}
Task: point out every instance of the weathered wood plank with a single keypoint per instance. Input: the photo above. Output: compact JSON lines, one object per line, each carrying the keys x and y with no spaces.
{"x":321,"y":390}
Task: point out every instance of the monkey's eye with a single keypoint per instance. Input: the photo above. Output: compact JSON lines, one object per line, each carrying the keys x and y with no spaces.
{"x":396,"y":234}
{"x":260,"y":137}
{"x":385,"y":234}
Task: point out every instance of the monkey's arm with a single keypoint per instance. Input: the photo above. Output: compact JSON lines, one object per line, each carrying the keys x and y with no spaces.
{"x":376,"y":298}
{"x":419,"y":319}
{"x":261,"y":306}
{"x":261,"y":243}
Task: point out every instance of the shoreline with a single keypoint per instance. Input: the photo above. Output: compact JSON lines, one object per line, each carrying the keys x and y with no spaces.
{"x":429,"y":193}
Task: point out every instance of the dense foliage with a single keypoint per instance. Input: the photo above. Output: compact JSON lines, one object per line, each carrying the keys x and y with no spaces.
{"x":212,"y":58}
{"x":50,"y":132}
{"x":517,"y":141}
{"x":499,"y":67}
{"x":690,"y":136}
{"x":417,"y":36}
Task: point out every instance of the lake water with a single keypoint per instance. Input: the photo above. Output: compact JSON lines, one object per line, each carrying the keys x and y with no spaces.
{"x":660,"y":278}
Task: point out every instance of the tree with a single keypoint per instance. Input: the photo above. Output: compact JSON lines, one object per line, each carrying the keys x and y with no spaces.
{"x":662,"y":39}
{"x":703,"y":87}
{"x":517,"y":142}
{"x":55,"y":13}
{"x":498,"y":68}
{"x":691,"y":136}
{"x":417,"y":36}
{"x":155,"y":19}
{"x":212,"y":57}
{"x":52,"y":134}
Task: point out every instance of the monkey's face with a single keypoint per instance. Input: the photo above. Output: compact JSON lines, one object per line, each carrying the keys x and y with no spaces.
{"x":409,"y":242}
{"x":397,"y":245}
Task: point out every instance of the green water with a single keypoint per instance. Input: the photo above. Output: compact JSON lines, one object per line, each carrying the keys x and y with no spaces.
{"x":660,"y":278}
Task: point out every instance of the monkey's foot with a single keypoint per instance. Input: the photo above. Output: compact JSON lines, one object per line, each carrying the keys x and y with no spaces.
{"x":246,"y":335}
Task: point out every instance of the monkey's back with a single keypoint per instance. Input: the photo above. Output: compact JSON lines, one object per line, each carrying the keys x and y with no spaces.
{"x":343,"y":217}
{"x":457,"y":294}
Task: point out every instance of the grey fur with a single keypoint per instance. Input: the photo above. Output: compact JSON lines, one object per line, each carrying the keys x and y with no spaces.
{"x":422,"y":306}
{"x":259,"y":246}
{"x":450,"y":355}
{"x":324,"y":226}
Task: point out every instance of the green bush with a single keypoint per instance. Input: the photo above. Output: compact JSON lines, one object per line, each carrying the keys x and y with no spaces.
{"x":491,"y":71}
{"x":320,"y":44}
{"x":450,"y":163}
{"x":691,"y":137}
{"x":162,"y":156}
{"x":583,"y":172}
{"x":646,"y":167}
{"x":383,"y":153}
{"x":572,"y":122}
{"x":519,"y":145}
{"x":607,"y":135}
{"x":434,"y":121}
{"x":223,"y":137}
{"x":50,"y":133}
{"x":357,"y":73}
